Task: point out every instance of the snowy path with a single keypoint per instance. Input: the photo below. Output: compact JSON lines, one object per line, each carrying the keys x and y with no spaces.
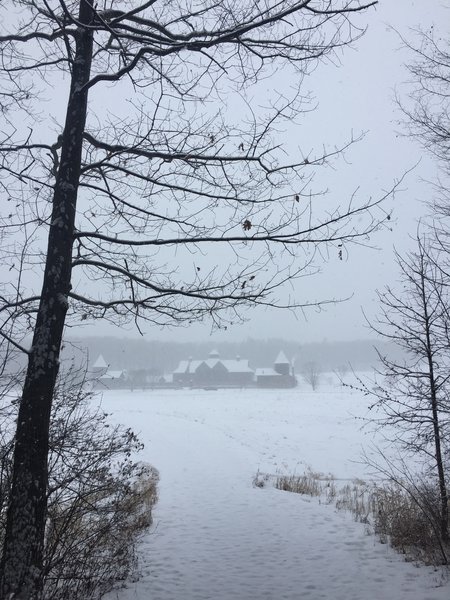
{"x":217,"y":537}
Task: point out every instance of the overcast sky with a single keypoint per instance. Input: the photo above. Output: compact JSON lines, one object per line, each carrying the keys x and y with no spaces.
{"x":353,"y":97}
{"x":357,"y":96}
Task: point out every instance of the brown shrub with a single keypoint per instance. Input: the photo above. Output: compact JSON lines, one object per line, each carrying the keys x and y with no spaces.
{"x":100,"y":498}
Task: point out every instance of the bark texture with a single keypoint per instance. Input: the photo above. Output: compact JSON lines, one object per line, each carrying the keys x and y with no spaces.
{"x":21,"y":574}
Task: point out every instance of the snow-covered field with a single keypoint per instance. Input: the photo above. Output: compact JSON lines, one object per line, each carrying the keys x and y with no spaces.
{"x":216,"y":537}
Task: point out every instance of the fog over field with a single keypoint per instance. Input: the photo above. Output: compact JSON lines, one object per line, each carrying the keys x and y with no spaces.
{"x":163,"y":357}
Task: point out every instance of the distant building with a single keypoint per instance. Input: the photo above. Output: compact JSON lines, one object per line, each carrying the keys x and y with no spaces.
{"x":100,"y":366}
{"x":143,"y":379}
{"x":282,"y":365}
{"x":214,"y":372}
{"x":104,"y":378}
{"x":281,"y":376}
{"x":113,"y":380}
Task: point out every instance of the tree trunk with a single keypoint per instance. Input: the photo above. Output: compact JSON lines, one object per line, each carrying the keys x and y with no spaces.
{"x":443,"y":496}
{"x":21,"y":563}
{"x":441,"y":474}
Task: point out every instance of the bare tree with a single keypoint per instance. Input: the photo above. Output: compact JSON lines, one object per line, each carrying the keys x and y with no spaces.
{"x":342,"y":371}
{"x":413,"y":393}
{"x":311,"y":374}
{"x":136,"y":194}
{"x":427,"y":107}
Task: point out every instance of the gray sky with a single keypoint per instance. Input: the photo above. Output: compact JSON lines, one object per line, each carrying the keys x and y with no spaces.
{"x":357,"y":96}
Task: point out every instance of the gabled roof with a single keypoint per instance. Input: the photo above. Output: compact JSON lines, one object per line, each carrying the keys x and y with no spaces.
{"x":113,"y":375}
{"x":267,"y":372}
{"x":183,"y":367}
{"x":100,"y":363}
{"x":281,"y":359}
{"x":237,"y":366}
{"x":232,"y":366}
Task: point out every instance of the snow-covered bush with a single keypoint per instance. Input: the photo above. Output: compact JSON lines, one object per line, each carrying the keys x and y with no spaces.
{"x":99,"y":498}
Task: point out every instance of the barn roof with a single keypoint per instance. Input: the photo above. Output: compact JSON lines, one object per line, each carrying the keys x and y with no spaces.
{"x":183,"y":366}
{"x":232,"y":366}
{"x":113,"y":375}
{"x":100,"y":363}
{"x":267,"y":372}
{"x":281,"y":359}
{"x":237,"y":366}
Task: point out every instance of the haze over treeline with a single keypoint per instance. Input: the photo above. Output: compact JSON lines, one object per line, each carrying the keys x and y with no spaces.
{"x":163,"y":357}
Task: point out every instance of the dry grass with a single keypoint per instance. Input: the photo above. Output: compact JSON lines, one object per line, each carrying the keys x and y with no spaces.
{"x":408,"y":518}
{"x":405,"y":516}
{"x":309,"y":483}
{"x":88,"y":550}
{"x":100,"y":499}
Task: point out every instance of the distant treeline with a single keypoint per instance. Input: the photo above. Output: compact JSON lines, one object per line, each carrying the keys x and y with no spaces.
{"x":163,"y":357}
